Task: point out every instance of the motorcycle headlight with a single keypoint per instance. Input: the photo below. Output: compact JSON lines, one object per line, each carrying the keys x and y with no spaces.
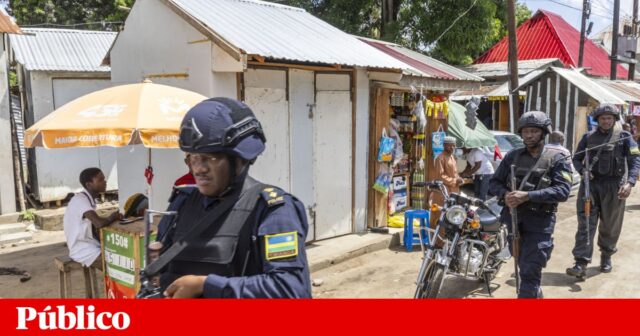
{"x":456,"y":215}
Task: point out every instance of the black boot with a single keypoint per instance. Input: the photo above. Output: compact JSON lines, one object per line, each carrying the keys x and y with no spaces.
{"x":579,"y":270}
{"x":605,"y":264}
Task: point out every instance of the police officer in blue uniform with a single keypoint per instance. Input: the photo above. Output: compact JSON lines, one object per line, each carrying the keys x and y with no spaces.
{"x":608,"y":187}
{"x":543,"y":179}
{"x":256,"y":249}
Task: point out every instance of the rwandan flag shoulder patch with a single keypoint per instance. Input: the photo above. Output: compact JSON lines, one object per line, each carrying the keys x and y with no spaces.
{"x":634,"y":150}
{"x":281,"y":245}
{"x":567,"y":176}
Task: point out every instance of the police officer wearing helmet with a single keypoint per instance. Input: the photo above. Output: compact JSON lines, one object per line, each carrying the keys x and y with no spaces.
{"x":256,"y":248}
{"x":608,"y":186}
{"x":543,"y":179}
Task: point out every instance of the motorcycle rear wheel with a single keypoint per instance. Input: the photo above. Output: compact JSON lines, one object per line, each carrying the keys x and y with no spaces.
{"x":432,"y":283}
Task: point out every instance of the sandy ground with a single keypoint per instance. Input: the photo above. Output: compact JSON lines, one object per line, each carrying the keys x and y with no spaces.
{"x":392,"y":273}
{"x":36,"y":257}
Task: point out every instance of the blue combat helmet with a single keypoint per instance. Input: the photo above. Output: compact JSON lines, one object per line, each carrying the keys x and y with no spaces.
{"x":222,"y":125}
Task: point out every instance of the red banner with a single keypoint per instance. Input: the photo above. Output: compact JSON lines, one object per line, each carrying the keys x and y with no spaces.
{"x":324,"y":317}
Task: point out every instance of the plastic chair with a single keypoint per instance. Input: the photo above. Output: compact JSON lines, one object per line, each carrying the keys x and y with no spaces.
{"x":412,"y":238}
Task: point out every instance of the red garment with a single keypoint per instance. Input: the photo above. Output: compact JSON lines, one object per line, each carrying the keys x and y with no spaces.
{"x":186,"y":179}
{"x":496,"y":153}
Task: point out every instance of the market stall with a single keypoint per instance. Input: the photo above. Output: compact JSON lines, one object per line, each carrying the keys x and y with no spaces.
{"x":145,"y":114}
{"x":409,"y":129}
{"x":123,"y":257}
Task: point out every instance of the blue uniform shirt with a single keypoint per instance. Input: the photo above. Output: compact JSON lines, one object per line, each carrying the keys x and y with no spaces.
{"x":558,"y":191}
{"x":281,"y":277}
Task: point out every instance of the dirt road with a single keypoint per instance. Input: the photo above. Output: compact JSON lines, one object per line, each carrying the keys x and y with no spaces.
{"x":383,"y":274}
{"x":392,"y":273}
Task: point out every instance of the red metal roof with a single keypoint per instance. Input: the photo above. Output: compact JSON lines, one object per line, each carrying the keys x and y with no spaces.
{"x":548,"y":35}
{"x":427,"y":69}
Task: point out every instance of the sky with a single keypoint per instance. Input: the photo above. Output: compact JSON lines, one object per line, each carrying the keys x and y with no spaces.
{"x":571,"y":11}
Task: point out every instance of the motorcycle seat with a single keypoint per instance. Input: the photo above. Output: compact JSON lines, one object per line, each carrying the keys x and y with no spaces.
{"x":488,"y":221}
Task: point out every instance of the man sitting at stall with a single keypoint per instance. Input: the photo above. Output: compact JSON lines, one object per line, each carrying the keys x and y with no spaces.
{"x":82,"y":222}
{"x":446,"y":169}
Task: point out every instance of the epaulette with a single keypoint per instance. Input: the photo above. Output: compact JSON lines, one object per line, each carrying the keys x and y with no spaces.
{"x":185,"y":189}
{"x":273,"y":196}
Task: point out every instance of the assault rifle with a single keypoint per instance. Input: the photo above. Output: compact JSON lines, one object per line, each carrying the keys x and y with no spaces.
{"x":586,"y":177}
{"x":515,"y":233}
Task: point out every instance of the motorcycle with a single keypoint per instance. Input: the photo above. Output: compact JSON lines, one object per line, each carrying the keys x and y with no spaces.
{"x":469,"y":241}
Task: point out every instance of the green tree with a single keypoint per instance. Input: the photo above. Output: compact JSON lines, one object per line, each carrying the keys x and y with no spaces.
{"x":359,"y":17}
{"x":70,"y":13}
{"x":420,"y":24}
{"x":456,"y":42}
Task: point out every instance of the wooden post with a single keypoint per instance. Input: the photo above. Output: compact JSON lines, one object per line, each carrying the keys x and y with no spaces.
{"x":583,"y":27}
{"x":614,"y":42}
{"x":513,"y":64}
{"x":379,"y":120}
{"x":634,"y":33}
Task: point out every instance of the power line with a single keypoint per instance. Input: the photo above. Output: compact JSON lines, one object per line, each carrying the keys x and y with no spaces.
{"x":454,"y":23}
{"x":576,"y":8}
{"x":610,"y":11}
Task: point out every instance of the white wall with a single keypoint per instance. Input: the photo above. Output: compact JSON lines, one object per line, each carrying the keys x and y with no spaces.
{"x":7,"y":185}
{"x":266,"y":95}
{"x":58,"y":169}
{"x":362,"y":100}
{"x":332,"y":155}
{"x":155,"y":41}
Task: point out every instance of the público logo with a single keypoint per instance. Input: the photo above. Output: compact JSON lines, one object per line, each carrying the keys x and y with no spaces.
{"x":80,"y":319}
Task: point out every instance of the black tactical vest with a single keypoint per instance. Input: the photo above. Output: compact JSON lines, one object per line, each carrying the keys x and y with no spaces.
{"x":611,"y":161}
{"x":538,"y":180}
{"x":226,"y":248}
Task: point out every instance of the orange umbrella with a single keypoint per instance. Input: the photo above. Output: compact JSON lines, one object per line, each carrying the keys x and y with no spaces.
{"x":144,"y":113}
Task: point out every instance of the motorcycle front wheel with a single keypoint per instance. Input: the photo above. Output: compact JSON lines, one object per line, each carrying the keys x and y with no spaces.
{"x":432,"y":282}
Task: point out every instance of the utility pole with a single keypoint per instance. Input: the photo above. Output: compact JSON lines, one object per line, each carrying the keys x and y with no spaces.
{"x":514,"y":95}
{"x":586,"y":10}
{"x":634,"y":33}
{"x":614,"y":42}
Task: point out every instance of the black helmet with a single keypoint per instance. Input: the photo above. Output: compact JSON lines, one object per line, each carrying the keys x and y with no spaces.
{"x":605,"y":109}
{"x":535,"y":119}
{"x":222,"y":125}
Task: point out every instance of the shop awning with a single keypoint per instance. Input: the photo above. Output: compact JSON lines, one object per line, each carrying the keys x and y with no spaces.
{"x":470,"y":138}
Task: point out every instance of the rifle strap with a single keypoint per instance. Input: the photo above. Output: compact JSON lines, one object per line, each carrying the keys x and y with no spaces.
{"x":204,"y":223}
{"x":545,"y":158}
{"x":612,"y":138}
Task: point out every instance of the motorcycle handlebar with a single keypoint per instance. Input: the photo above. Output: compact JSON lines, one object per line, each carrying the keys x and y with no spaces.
{"x":469,"y":200}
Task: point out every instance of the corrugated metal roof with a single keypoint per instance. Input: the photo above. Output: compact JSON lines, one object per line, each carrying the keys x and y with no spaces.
{"x":16,"y":111}
{"x":419,"y":64}
{"x":548,"y":35}
{"x":7,"y":25}
{"x":501,"y":69}
{"x":503,"y":91}
{"x":487,"y":91}
{"x":584,"y":83}
{"x":467,"y":94}
{"x":625,"y":90}
{"x":48,"y":49}
{"x":281,"y":32}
